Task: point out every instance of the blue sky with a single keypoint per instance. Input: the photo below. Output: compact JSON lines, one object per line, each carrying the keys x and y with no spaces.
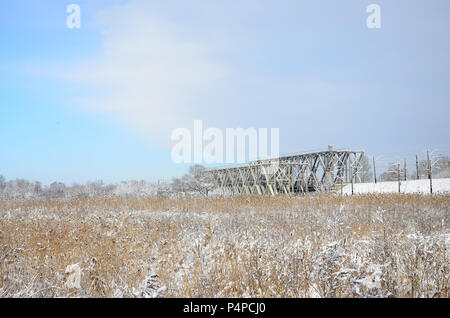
{"x":100,"y":102}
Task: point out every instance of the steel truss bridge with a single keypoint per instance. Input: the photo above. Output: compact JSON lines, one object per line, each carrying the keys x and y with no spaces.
{"x":290,"y":174}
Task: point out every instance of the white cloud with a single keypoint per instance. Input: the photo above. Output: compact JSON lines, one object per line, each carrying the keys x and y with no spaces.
{"x":149,"y":73}
{"x":161,"y":67}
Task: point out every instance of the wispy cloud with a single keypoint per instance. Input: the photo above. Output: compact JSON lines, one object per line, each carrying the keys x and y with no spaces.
{"x":158,"y":71}
{"x":149,"y":72}
{"x":164,"y":64}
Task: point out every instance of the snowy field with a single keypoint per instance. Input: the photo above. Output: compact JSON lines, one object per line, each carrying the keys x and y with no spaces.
{"x":319,"y":246}
{"x":410,"y":186}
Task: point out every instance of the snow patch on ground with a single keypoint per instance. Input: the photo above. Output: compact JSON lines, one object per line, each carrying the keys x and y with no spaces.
{"x":410,"y":186}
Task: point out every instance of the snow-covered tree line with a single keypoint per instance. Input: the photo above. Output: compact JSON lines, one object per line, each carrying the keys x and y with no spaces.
{"x":440,"y":169}
{"x":195,"y":182}
{"x":24,"y":189}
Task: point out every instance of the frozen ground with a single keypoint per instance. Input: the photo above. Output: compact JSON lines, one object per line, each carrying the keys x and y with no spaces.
{"x":410,"y":186}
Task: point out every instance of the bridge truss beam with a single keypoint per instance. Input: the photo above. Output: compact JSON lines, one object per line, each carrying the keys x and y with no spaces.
{"x":290,"y":174}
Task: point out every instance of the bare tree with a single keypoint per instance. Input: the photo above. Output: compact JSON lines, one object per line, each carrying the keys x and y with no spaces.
{"x":163,"y":188}
{"x":178,"y":186}
{"x":19,"y":188}
{"x":440,"y":166}
{"x":366,"y":169}
{"x":2,"y":184}
{"x":423,"y":171}
{"x":38,"y":189}
{"x":195,"y":181}
{"x":391,"y":174}
{"x":56,"y":190}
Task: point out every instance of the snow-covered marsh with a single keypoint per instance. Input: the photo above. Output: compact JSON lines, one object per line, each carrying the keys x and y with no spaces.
{"x":320,"y":246}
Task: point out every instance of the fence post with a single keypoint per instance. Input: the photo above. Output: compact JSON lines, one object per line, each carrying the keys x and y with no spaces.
{"x":351,"y":176}
{"x":417,"y":167}
{"x":374,"y":170}
{"x":398,"y":176}
{"x":430,"y":172}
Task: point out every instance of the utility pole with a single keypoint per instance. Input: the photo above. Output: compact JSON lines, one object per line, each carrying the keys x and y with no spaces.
{"x":374,"y":170}
{"x":404,"y":167}
{"x":398,"y":176}
{"x":430,"y":172}
{"x":417,"y":167}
